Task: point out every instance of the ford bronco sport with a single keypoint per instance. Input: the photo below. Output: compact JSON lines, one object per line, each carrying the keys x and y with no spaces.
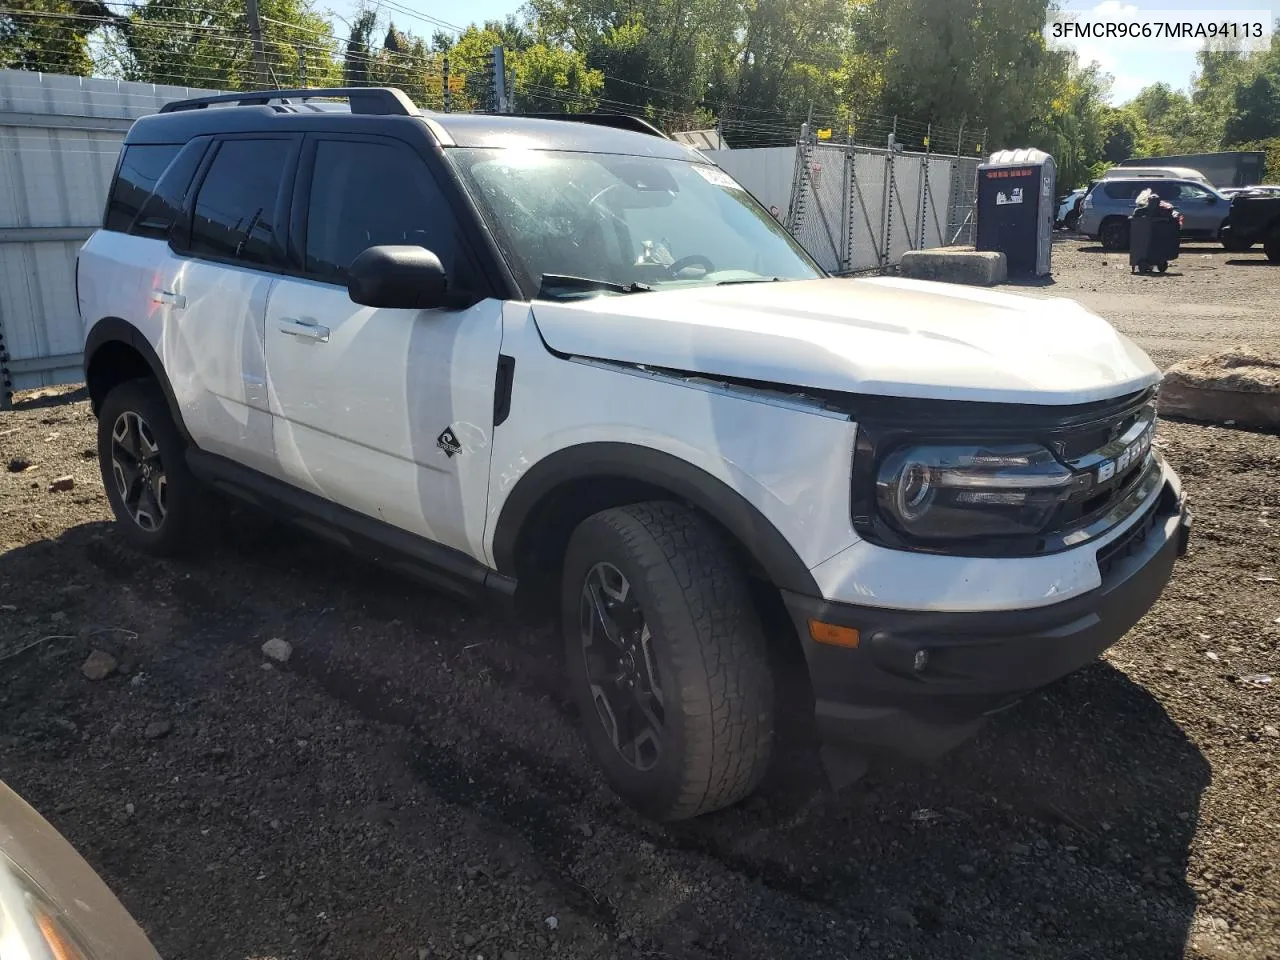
{"x":577,"y":358}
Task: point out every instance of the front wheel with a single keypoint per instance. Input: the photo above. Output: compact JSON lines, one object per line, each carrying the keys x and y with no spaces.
{"x":160,"y":506}
{"x":1071,"y":221}
{"x":666,"y":660}
{"x":1272,"y":247}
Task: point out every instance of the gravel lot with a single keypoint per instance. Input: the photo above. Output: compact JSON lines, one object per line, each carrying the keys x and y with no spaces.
{"x":410,"y":783}
{"x":1207,"y":300}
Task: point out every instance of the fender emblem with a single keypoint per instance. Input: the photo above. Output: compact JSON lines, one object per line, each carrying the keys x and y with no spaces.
{"x":448,"y":442}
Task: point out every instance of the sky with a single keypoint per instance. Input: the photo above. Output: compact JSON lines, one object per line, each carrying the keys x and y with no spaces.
{"x":1137,"y":63}
{"x":1133,"y":63}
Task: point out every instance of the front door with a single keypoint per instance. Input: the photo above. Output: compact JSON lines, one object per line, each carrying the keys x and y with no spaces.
{"x":1202,"y":211}
{"x":387,"y":412}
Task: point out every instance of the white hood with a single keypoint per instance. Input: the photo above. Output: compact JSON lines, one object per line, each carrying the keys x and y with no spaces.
{"x":884,"y":336}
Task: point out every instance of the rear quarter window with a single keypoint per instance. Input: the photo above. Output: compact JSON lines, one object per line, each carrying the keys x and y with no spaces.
{"x":141,"y":167}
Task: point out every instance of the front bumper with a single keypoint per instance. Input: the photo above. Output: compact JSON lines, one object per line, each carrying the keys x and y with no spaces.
{"x":920,"y":681}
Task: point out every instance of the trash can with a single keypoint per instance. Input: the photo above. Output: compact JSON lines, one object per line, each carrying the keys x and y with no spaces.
{"x":1154,"y":235}
{"x":1016,"y":209}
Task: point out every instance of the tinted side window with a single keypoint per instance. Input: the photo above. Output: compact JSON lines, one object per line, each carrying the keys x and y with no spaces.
{"x":1124,"y":190}
{"x":140,"y":169}
{"x":364,"y":194}
{"x":165,"y":203}
{"x":236,"y":204}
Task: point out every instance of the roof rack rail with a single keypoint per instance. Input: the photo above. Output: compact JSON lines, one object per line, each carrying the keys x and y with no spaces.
{"x":383,"y":101}
{"x":620,"y":120}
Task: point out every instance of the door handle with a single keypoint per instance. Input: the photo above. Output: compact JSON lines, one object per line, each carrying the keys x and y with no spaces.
{"x":304,"y":329}
{"x":169,"y":297}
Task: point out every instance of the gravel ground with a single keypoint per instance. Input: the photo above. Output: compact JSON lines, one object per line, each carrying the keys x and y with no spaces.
{"x":1208,"y":299}
{"x":410,"y":784}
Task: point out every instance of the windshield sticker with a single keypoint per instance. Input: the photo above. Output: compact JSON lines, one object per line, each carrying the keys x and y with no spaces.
{"x":716,"y":176}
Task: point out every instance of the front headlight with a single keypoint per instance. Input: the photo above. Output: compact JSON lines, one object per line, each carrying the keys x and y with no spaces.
{"x":32,"y":927}
{"x":955,"y":492}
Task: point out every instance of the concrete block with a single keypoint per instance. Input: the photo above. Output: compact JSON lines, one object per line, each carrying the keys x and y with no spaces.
{"x":956,"y":265}
{"x":1239,"y":386}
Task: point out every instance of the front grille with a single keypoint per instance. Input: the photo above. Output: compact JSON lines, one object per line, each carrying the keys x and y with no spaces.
{"x":1133,"y":539}
{"x":1101,"y":454}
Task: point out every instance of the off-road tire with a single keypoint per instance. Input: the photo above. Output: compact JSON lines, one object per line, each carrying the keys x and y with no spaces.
{"x":1271,"y":246}
{"x":1114,"y":235}
{"x":710,"y":651}
{"x":185,"y":525}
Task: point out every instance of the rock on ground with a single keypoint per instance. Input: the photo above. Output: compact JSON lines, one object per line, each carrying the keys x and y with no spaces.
{"x":99,"y":665}
{"x":1239,"y":385}
{"x":277,"y":650}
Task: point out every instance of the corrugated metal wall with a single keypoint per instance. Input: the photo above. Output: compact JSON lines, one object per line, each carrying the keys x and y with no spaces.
{"x":59,"y":139}
{"x":766,"y":171}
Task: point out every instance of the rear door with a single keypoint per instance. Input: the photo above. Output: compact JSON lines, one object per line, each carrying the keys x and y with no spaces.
{"x":215,"y":291}
{"x":387,"y":412}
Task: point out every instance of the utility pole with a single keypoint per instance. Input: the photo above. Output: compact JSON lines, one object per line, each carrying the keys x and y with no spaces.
{"x":499,"y":80}
{"x":255,"y":35}
{"x":444,"y":84}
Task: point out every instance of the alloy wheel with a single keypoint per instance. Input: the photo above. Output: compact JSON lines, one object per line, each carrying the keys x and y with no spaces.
{"x":138,"y":471}
{"x":622,"y":668}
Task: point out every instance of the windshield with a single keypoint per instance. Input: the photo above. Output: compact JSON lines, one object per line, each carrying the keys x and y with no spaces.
{"x":626,"y":223}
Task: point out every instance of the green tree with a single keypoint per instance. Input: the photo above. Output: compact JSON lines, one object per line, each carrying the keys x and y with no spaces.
{"x":51,"y":35}
{"x":982,"y":59}
{"x":1257,"y":111}
{"x":1121,"y":135}
{"x":1072,"y":123}
{"x":204,"y":43}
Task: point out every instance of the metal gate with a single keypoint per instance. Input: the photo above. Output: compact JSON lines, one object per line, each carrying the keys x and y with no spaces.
{"x":858,"y":209}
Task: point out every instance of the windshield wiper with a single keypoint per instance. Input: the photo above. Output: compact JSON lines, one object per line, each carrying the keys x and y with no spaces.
{"x":575,"y":284}
{"x":729,"y":283}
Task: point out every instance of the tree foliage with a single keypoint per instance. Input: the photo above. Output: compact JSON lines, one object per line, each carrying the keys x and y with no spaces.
{"x":933,"y":71}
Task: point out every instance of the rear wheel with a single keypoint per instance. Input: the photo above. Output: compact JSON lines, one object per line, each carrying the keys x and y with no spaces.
{"x":1114,"y":235}
{"x":666,"y":660}
{"x":1233,"y":244}
{"x":158,"y":502}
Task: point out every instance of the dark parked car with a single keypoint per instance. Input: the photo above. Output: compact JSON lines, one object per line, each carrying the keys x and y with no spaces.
{"x":1254,"y":218}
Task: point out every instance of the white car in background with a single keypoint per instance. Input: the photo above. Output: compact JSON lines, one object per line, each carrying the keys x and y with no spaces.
{"x":1067,"y":216}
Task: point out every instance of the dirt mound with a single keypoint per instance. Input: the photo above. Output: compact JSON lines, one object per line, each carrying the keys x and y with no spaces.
{"x":1240,"y":385}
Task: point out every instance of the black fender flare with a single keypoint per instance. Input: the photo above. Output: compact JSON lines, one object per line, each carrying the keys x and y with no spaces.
{"x":683,"y":480}
{"x":115,"y":330}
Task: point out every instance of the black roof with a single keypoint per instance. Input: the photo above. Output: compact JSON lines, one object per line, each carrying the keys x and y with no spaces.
{"x":384,"y":110}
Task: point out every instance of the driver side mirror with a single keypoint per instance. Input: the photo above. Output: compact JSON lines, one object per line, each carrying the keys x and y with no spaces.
{"x":1212,"y":198}
{"x":400,"y":277}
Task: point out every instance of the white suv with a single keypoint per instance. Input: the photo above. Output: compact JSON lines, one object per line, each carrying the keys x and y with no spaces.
{"x":577,"y":358}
